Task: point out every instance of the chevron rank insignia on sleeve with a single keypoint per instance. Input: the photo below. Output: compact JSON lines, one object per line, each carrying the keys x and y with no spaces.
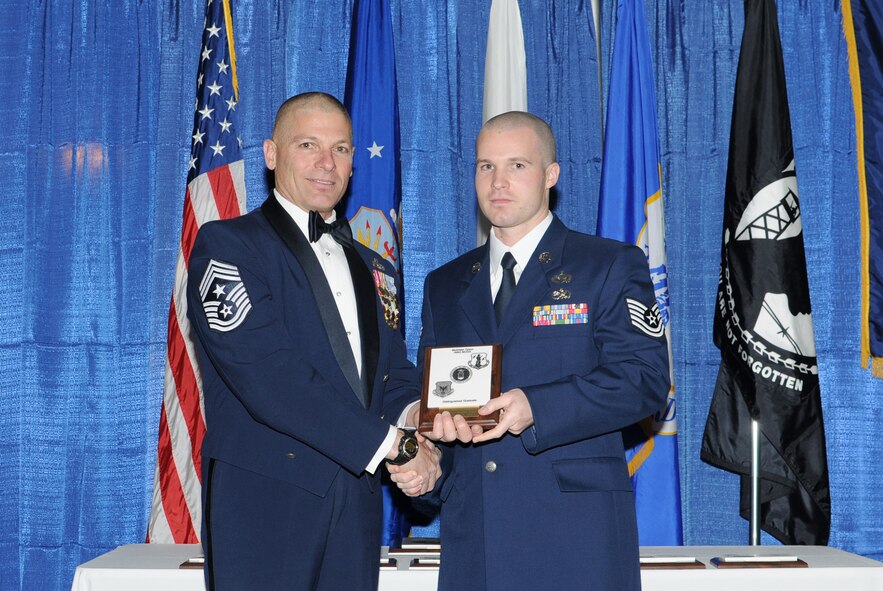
{"x":224,"y":298}
{"x":647,"y":320}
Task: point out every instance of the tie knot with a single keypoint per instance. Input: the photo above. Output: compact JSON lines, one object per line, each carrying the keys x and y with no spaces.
{"x":508,"y":262}
{"x":338,"y":229}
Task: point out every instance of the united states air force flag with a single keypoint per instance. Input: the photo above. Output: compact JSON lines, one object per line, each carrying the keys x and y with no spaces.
{"x":863,"y":27}
{"x":374,"y":202}
{"x":630,"y":209}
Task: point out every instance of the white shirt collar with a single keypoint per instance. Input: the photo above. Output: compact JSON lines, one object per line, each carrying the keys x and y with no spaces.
{"x":301,"y":217}
{"x":521,"y":250}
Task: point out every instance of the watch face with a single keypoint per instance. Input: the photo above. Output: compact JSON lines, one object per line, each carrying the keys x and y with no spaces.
{"x":410,"y":447}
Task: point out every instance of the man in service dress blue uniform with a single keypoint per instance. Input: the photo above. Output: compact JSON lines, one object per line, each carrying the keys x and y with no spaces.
{"x":543,"y":500}
{"x":304,"y":372}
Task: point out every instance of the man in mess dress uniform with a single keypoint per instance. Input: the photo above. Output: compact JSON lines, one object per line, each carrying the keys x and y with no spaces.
{"x":305,"y":375}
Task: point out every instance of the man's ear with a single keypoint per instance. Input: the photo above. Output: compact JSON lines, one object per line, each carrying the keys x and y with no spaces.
{"x":270,"y":154}
{"x":552,"y":172}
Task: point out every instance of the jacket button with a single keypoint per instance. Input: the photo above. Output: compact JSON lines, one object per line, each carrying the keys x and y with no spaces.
{"x":385,"y":377}
{"x":491,"y":466}
{"x":291,"y":455}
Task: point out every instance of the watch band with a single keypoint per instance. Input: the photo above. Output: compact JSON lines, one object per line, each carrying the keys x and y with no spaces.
{"x":408,"y":449}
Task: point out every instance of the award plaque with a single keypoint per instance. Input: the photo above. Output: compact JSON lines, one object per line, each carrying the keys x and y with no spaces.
{"x":460,"y":380}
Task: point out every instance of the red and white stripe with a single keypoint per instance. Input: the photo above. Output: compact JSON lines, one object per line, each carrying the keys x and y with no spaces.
{"x":176,"y":512}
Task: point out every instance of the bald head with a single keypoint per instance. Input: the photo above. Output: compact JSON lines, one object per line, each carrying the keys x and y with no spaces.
{"x":518,"y":119}
{"x":317,"y":101}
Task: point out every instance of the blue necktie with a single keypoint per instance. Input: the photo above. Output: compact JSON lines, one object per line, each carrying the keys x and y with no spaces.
{"x":507,"y":286}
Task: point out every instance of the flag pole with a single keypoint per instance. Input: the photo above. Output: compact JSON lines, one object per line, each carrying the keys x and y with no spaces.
{"x":754,"y":522}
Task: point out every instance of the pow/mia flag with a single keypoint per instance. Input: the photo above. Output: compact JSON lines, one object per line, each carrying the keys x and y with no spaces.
{"x":224,"y":298}
{"x":763,"y":318}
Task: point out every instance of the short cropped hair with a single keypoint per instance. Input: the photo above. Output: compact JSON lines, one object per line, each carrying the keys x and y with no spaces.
{"x":516,"y":119}
{"x":310,"y":100}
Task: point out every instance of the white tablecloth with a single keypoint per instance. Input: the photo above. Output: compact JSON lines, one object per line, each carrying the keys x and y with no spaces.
{"x":154,"y":567}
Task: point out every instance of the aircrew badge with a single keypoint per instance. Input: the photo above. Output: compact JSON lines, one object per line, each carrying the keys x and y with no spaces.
{"x":224,"y":298}
{"x":386,"y":289}
{"x":645,"y":318}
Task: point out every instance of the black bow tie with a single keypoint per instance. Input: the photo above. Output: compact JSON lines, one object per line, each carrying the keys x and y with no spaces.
{"x":339,"y":229}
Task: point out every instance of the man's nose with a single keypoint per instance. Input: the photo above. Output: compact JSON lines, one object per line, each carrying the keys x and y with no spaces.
{"x":325,"y":160}
{"x":499,"y":180}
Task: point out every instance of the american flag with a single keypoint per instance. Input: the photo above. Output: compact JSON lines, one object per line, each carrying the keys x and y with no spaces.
{"x":215,"y":190}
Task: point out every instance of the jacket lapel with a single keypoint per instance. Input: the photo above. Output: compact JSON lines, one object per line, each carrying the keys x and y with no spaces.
{"x":300,"y":248}
{"x":364,"y":285}
{"x":476,"y":302}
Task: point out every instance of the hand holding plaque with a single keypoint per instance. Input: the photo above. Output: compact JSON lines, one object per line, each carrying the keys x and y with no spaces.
{"x":460,"y":380}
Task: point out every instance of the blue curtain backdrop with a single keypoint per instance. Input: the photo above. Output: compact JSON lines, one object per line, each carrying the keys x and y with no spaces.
{"x":96,"y":106}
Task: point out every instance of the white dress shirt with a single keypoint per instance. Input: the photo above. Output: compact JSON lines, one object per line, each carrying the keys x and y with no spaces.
{"x":332,"y":259}
{"x":521,"y":250}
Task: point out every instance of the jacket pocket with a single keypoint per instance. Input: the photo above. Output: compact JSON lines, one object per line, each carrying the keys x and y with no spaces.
{"x":592,"y":474}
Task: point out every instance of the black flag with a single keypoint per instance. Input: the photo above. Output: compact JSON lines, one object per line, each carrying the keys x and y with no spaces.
{"x":763,"y":319}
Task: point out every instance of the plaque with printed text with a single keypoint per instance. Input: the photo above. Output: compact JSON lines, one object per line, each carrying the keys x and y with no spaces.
{"x":460,"y":380}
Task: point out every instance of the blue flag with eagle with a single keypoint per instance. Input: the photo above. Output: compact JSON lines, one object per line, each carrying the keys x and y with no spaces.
{"x":630,"y":209}
{"x":374,"y":200}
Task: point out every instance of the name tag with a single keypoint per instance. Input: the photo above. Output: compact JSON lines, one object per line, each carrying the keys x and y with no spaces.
{"x":553,"y":315}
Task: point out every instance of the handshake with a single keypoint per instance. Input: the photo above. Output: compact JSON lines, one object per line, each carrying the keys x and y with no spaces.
{"x":418,"y":475}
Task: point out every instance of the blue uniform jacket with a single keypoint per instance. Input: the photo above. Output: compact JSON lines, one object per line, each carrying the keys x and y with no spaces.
{"x":276,"y":400}
{"x":552,"y":508}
